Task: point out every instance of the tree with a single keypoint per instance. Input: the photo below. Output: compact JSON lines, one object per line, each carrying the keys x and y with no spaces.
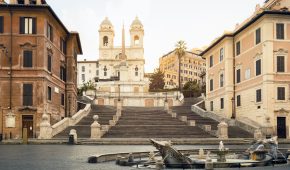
{"x":180,"y":49}
{"x":191,"y":89}
{"x":157,"y":81}
{"x":86,"y":86}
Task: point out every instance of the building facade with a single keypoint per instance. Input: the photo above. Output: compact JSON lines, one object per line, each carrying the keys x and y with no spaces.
{"x":38,"y":67}
{"x":192,"y":65}
{"x":87,"y":71}
{"x":248,"y":70}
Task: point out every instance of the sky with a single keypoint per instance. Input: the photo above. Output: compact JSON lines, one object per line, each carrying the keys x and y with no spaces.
{"x":197,"y":22}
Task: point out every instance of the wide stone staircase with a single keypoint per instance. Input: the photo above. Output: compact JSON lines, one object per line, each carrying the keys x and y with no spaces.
{"x":83,"y":128}
{"x":152,"y":123}
{"x":185,"y":110}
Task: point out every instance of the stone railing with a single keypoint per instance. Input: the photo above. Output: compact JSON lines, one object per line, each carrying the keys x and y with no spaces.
{"x":249,"y":127}
{"x":79,"y":115}
{"x":64,"y":123}
{"x":60,"y":126}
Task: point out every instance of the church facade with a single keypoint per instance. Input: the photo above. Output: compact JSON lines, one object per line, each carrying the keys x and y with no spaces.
{"x":121,"y":69}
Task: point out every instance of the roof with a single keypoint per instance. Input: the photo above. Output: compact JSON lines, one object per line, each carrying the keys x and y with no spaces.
{"x":87,"y":61}
{"x":78,"y":41}
{"x":246,"y":25}
{"x":174,"y":51}
{"x":106,"y":21}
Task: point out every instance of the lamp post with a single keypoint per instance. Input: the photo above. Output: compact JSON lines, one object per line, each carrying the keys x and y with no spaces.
{"x":233,"y":108}
{"x":166,"y":97}
{"x":119,"y":91}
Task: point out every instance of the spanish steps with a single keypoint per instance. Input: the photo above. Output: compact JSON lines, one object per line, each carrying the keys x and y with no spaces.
{"x":138,"y":122}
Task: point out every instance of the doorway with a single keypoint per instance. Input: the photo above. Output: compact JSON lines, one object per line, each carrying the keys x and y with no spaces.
{"x":281,"y":127}
{"x":27,"y":122}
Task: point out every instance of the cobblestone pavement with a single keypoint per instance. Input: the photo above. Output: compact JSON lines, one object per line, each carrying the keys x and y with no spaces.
{"x":65,"y":157}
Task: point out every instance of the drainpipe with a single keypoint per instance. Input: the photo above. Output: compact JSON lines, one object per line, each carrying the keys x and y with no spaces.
{"x":10,"y":59}
{"x":234,"y":81}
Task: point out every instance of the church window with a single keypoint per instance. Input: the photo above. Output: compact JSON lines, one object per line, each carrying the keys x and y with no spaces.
{"x":136,"y":40}
{"x":105,"y":41}
{"x":105,"y":71}
{"x":136,"y":71}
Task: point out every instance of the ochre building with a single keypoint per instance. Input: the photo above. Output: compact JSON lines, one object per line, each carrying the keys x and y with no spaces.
{"x":38,"y":67}
{"x":248,"y":70}
{"x":191,"y":66}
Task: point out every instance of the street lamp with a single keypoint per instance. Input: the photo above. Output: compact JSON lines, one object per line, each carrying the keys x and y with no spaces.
{"x":119,"y":95}
{"x":166,"y":97}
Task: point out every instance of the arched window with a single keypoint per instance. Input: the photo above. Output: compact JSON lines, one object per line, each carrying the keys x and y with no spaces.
{"x":136,"y":71}
{"x":105,"y":71}
{"x":105,"y":41}
{"x":136,"y":40}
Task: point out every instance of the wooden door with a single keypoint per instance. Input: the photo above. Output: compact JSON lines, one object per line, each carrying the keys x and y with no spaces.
{"x":281,"y":127}
{"x":27,"y":122}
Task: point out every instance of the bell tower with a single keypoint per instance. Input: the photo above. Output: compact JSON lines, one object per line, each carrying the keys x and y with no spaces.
{"x":137,"y":33}
{"x":106,"y":34}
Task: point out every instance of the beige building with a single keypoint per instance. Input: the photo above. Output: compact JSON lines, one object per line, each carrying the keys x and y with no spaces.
{"x":248,"y":70}
{"x":87,"y":71}
{"x":192,"y":65}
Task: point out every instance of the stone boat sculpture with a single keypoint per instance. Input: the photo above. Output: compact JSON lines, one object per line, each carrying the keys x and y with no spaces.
{"x":261,"y":153}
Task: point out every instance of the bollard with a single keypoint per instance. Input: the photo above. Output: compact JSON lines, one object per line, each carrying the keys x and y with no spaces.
{"x":24,"y":137}
{"x":73,"y":137}
{"x":288,"y":160}
{"x":208,"y":162}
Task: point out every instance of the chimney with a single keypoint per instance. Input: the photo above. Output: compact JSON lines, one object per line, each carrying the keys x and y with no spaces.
{"x":13,"y":2}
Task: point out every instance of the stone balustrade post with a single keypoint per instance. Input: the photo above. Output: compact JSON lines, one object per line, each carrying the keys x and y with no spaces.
{"x":192,"y":123}
{"x":13,"y":1}
{"x":223,"y":130}
{"x":166,"y":106}
{"x":26,"y":2}
{"x":96,"y":128}
{"x":183,"y":118}
{"x":45,"y":128}
{"x":119,"y":105}
{"x":74,"y":133}
{"x":207,"y":128}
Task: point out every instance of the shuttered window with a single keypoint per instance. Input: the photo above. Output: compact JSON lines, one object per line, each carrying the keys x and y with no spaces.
{"x":62,"y":75}
{"x":258,"y":95}
{"x":258,"y":67}
{"x":49,"y":32}
{"x":222,"y":103}
{"x":62,"y":45}
{"x":27,"y":95}
{"x":238,"y":75}
{"x":280,"y":64}
{"x":49,"y":60}
{"x":280,"y":31}
{"x":239,"y":100}
{"x":238,"y":48}
{"x":49,"y":93}
{"x":258,"y":35}
{"x":27,"y":25}
{"x":211,"y":106}
{"x":281,"y":93}
{"x":211,"y":85}
{"x":62,"y":99}
{"x":210,"y":61}
{"x":1,"y":24}
{"x":27,"y":59}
